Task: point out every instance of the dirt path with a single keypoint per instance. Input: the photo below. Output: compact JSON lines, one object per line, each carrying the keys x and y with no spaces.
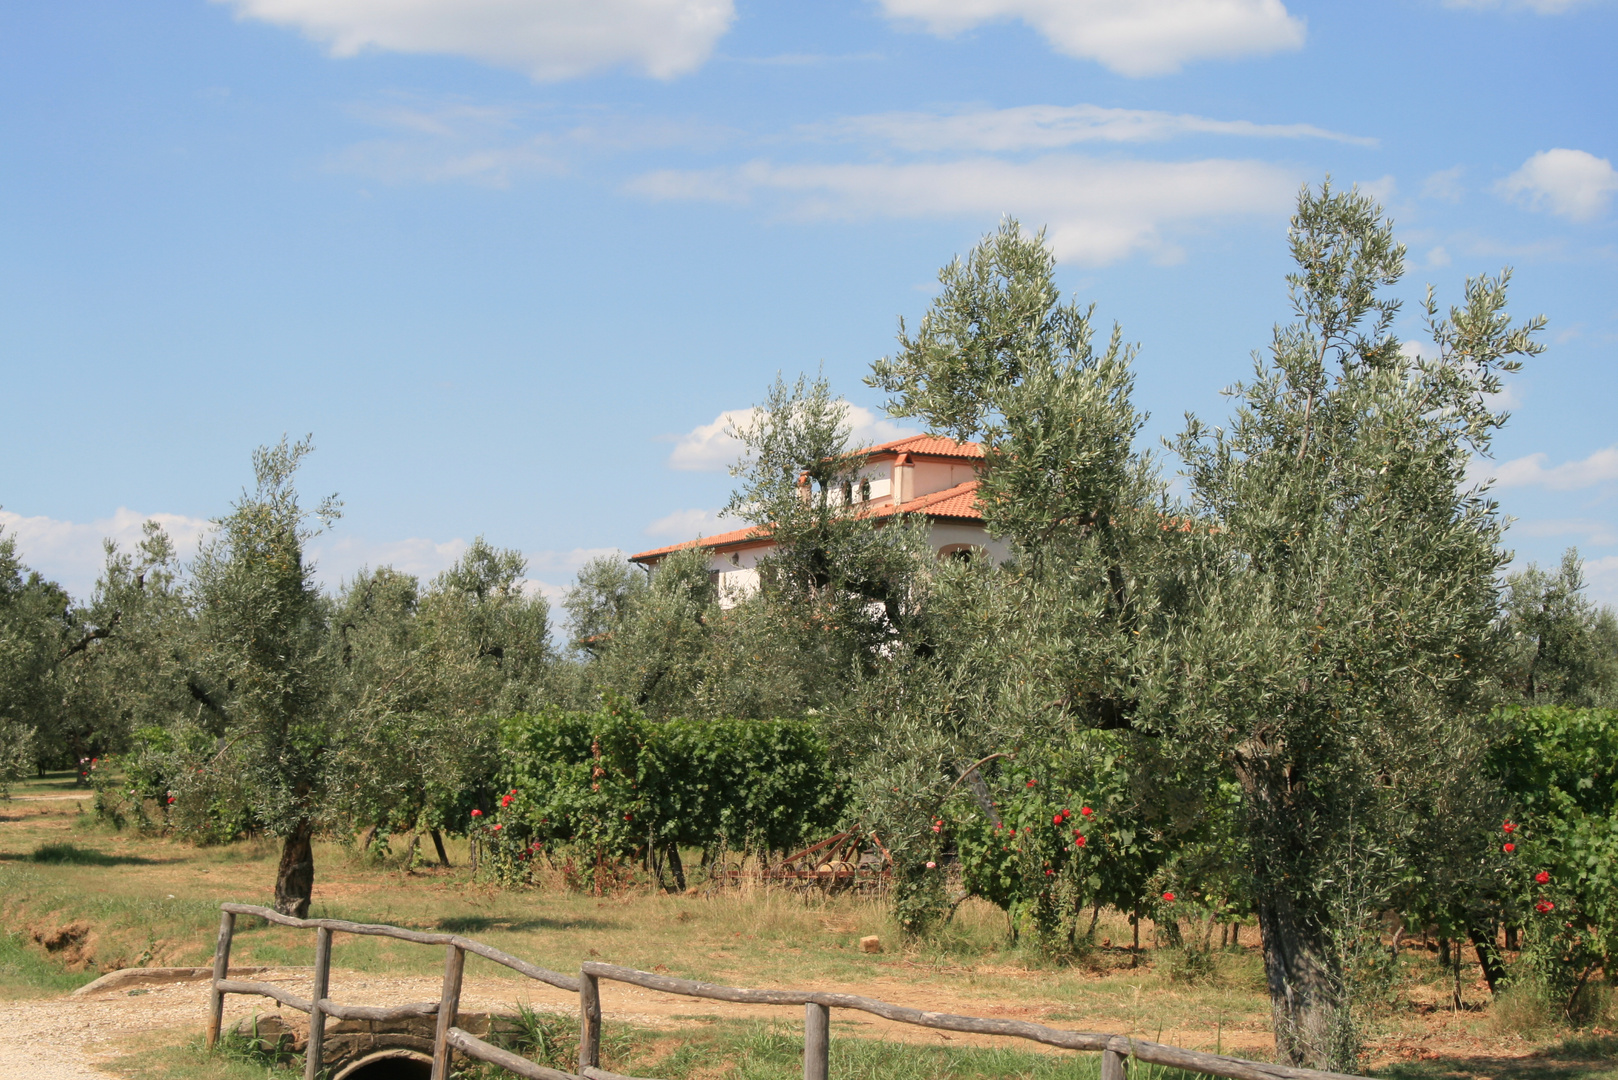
{"x":75,"y":1038}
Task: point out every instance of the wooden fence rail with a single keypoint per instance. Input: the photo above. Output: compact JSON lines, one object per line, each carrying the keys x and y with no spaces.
{"x":1115,"y":1050}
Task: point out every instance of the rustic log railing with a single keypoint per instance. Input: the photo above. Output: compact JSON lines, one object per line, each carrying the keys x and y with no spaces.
{"x":1115,"y":1050}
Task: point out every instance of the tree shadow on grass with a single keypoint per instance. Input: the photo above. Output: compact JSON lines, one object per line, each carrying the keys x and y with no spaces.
{"x":479,"y":924}
{"x":73,"y":855}
{"x":1593,"y":1057}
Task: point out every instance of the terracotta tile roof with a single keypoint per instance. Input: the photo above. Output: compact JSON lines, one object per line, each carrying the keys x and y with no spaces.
{"x":931,"y":445}
{"x":734,"y":538}
{"x":958,"y":502}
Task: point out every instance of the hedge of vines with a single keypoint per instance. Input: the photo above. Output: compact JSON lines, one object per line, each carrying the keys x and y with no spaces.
{"x":594,"y":791}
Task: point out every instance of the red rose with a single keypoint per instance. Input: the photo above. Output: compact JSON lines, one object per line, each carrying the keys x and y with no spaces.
{"x":1057,"y":820}
{"x":1543,"y":876}
{"x":1031,"y":783}
{"x":1508,"y":848}
{"x":1509,"y":826}
{"x":477,"y":813}
{"x":1543,"y":906}
{"x":495,"y":828}
{"x":1079,"y":842}
{"x":1086,"y":811}
{"x":1169,"y":897}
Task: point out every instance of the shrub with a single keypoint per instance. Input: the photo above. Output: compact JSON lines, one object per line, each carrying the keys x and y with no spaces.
{"x":1561,"y":767}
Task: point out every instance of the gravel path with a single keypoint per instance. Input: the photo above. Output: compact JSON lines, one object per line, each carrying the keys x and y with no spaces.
{"x":77,"y":1038}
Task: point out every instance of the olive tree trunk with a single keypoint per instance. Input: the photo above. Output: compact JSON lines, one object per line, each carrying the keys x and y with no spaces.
{"x":1309,"y":1010}
{"x":295,"y":877}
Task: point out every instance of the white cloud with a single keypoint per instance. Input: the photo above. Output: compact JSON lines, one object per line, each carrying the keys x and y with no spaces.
{"x":1445,"y":184}
{"x":344,"y":556}
{"x":1571,"y":183}
{"x":688,"y":524}
{"x":710,"y":448}
{"x":1051,"y":127}
{"x":339,"y":556}
{"x":1438,"y":256}
{"x":1599,"y":468}
{"x":547,"y":39}
{"x":1132,"y":37}
{"x":70,"y":552}
{"x":1097,"y":211}
{"x":1602,"y":578}
{"x":550,"y":573}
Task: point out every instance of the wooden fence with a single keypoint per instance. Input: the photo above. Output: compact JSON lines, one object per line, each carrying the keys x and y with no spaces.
{"x":1115,"y":1050}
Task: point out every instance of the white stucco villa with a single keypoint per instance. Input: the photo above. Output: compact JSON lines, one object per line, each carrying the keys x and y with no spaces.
{"x":922,"y":475}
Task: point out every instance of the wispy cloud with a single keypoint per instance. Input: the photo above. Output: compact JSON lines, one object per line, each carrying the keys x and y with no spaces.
{"x":1569,"y":183}
{"x":1131,"y":37}
{"x":1098,"y":211}
{"x":498,"y":145}
{"x":805,"y":59}
{"x":711,"y":448}
{"x":1445,"y":185}
{"x":689,"y":524}
{"x":1050,"y":127}
{"x":1534,"y":471}
{"x":547,"y":39}
{"x":1538,"y":7}
{"x":1591,"y":531}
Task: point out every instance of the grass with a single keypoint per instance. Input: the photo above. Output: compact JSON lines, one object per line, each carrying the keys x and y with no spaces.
{"x":151,"y":900}
{"x":727,"y":1050}
{"x":26,"y":973}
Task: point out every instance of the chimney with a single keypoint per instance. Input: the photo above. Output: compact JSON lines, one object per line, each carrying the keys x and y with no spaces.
{"x":903,"y":480}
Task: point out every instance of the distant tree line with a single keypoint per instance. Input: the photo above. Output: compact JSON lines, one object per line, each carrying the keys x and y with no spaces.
{"x":1307,"y":689}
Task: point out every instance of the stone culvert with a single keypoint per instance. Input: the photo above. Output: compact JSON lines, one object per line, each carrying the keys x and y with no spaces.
{"x":364,"y":1049}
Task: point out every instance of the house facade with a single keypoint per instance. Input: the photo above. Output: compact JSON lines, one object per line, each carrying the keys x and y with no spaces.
{"x":922,"y":475}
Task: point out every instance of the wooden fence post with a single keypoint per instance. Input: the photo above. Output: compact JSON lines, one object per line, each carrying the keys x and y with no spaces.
{"x":317,"y":1016}
{"x":817,"y":1040}
{"x":221,"y":970}
{"x":449,"y":1004}
{"x":589,"y":1022}
{"x":1112,"y":1065}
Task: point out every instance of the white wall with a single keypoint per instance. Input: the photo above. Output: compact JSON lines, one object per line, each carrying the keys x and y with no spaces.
{"x":931,"y":476}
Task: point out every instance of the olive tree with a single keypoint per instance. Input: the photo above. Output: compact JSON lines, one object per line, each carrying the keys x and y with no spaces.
{"x":1563,"y":649}
{"x":1344,"y":584}
{"x":422,"y":677}
{"x":36,"y":628}
{"x":263,"y":655}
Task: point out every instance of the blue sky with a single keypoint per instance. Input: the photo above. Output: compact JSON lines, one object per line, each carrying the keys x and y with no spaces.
{"x":509,"y":261}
